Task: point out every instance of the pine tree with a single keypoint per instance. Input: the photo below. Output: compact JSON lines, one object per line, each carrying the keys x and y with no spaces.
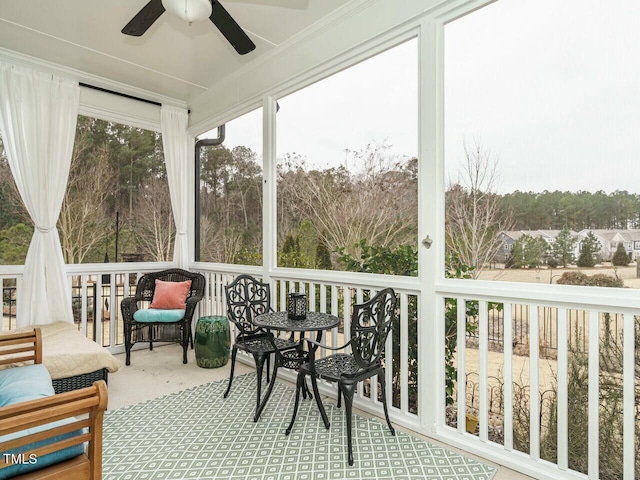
{"x":527,"y":251}
{"x":323,"y":256}
{"x":564,"y":247}
{"x":620,"y":257}
{"x":589,"y":251}
{"x":291,"y":255}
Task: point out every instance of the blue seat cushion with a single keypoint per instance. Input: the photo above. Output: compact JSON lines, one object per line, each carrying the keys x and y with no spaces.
{"x":20,"y":384}
{"x":158,"y":315}
{"x":29,"y":464}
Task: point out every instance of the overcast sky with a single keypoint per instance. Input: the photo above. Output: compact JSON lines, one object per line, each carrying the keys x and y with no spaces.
{"x":550,"y":88}
{"x":374,"y":101}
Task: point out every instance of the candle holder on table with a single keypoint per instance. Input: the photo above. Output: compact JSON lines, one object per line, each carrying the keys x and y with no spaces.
{"x":297,"y":306}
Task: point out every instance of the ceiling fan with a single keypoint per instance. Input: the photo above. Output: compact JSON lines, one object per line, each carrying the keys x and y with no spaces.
{"x":192,"y":11}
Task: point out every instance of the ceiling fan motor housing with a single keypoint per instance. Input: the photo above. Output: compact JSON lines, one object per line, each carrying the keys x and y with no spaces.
{"x":189,"y":10}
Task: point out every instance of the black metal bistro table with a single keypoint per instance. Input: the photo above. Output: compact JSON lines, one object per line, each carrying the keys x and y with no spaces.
{"x":280,"y":321}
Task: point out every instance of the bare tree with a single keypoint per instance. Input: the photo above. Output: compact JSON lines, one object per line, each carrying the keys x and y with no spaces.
{"x":473,"y":217}
{"x":377,"y":203}
{"x":154,"y":226}
{"x":218,"y":241}
{"x":84,"y":220}
{"x":209,"y":241}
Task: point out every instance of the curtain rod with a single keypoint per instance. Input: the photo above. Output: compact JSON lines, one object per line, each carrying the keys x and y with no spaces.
{"x":100,"y":89}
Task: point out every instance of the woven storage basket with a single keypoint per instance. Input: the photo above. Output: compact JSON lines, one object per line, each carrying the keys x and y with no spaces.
{"x":68,"y":384}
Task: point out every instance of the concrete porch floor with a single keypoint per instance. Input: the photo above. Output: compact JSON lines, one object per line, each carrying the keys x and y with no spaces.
{"x":161,"y":372}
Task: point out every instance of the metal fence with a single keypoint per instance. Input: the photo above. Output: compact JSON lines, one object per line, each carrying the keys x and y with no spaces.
{"x":577,"y":326}
{"x":9,"y":295}
{"x":98,"y":296}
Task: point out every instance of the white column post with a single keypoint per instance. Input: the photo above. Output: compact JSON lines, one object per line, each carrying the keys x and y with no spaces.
{"x":430,"y":221}
{"x":269,"y":190}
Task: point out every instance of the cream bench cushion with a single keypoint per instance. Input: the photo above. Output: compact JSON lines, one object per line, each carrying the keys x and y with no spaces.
{"x":67,"y":353}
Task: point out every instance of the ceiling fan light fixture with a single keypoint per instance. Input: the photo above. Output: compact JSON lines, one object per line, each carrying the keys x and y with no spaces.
{"x":189,"y":10}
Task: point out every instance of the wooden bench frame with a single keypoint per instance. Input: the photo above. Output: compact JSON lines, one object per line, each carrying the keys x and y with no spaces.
{"x":86,"y":406}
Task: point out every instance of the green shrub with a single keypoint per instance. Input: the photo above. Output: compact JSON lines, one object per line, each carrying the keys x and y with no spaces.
{"x":589,"y":251}
{"x":553,"y":262}
{"x":323,"y":256}
{"x":403,"y":260}
{"x":14,"y":244}
{"x":400,"y":260}
{"x":620,"y":257}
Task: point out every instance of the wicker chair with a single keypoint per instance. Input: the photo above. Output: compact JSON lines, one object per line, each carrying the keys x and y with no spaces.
{"x":371,"y":323}
{"x":178,"y":331}
{"x":247,"y":298}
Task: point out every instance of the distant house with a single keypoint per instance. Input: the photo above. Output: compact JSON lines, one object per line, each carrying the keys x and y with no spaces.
{"x":634,"y":239}
{"x":509,"y":238}
{"x":609,"y":239}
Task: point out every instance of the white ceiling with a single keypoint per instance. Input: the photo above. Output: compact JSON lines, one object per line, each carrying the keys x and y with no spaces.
{"x":171,"y":59}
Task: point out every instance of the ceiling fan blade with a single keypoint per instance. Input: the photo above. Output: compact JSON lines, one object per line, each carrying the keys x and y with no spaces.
{"x":230,"y":29}
{"x":144,"y":19}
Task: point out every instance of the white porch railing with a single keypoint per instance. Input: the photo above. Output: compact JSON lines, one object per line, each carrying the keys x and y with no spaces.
{"x":537,"y":432}
{"x":531,"y":405}
{"x":337,"y":297}
{"x":96,"y":292}
{"x":522,"y":396}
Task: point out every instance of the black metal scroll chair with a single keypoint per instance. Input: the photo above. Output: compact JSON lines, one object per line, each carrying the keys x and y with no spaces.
{"x":371,"y":323}
{"x":247,"y":298}
{"x":159,"y":328}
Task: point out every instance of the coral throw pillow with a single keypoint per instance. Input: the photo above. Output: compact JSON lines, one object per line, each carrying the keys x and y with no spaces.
{"x":170,"y":295}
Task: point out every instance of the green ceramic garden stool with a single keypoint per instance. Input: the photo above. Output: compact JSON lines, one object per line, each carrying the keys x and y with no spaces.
{"x":213,"y":340}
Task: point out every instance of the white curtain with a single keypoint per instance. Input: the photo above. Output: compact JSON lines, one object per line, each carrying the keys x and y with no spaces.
{"x":177,"y":145}
{"x":38,"y":115}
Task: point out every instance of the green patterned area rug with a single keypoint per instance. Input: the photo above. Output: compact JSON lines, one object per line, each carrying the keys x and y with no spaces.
{"x":196,"y":434}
